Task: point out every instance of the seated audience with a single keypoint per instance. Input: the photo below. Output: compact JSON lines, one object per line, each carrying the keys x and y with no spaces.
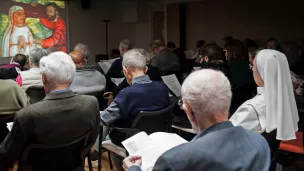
{"x":84,"y":49}
{"x":219,"y":146}
{"x":143,"y":95}
{"x":241,"y":78}
{"x":199,"y":44}
{"x":13,"y":98}
{"x":252,"y":53}
{"x":249,"y":43}
{"x":33,"y":76}
{"x":273,"y":43}
{"x":274,"y":109}
{"x":165,"y":60}
{"x":49,"y":122}
{"x":212,"y":58}
{"x":10,"y":71}
{"x":87,"y":80}
{"x":115,"y":70}
{"x":115,"y":54}
{"x":186,"y":66}
{"x":292,"y":52}
{"x":153,"y":72}
{"x":227,"y":39}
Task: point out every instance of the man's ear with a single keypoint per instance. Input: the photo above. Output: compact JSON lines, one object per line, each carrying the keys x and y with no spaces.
{"x":189,"y":112}
{"x":43,"y":79}
{"x":206,"y":58}
{"x":146,"y":69}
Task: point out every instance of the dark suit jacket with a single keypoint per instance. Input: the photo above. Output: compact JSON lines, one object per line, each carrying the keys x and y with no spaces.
{"x":153,"y":72}
{"x":115,"y":71}
{"x":60,"y":118}
{"x":221,"y":147}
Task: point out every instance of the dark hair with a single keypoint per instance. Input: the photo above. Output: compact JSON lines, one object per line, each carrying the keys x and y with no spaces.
{"x":200,"y":43}
{"x":226,"y":39}
{"x":277,"y":45}
{"x":236,"y":50}
{"x":171,"y":45}
{"x":115,"y":53}
{"x":254,"y":51}
{"x":54,"y":5}
{"x":20,"y":59}
{"x":249,"y":43}
{"x":212,"y":50}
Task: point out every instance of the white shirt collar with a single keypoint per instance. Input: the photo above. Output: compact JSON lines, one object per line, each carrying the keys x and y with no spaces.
{"x":260,"y":90}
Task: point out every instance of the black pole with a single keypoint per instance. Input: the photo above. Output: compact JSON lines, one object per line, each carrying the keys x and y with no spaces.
{"x":107,"y":36}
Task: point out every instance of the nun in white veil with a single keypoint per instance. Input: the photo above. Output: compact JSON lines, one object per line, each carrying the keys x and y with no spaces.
{"x":274,"y":108}
{"x":16,"y":32}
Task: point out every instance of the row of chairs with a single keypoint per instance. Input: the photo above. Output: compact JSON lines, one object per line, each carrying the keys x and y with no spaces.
{"x":149,"y":122}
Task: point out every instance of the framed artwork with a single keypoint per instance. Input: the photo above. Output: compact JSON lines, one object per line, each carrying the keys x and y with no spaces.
{"x":28,"y":24}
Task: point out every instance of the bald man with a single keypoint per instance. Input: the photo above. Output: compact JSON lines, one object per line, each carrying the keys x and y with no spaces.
{"x":87,"y":80}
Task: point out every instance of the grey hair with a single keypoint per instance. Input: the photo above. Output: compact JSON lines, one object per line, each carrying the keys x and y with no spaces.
{"x":207,"y":92}
{"x":36,"y":54}
{"x":126,"y":44}
{"x":82,"y":48}
{"x":146,"y":55}
{"x":134,"y":59}
{"x":58,"y":68}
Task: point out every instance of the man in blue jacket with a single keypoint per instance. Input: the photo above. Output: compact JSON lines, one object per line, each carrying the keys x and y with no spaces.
{"x":206,"y":96}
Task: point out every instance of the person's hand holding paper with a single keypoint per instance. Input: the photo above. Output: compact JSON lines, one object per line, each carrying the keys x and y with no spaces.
{"x":132,"y":161}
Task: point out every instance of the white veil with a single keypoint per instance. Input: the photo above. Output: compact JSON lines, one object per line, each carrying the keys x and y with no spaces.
{"x":8,"y":31}
{"x":281,"y":108}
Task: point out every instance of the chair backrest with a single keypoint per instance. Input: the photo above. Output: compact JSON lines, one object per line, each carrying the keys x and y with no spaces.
{"x":156,"y":121}
{"x":36,"y":93}
{"x":63,"y":157}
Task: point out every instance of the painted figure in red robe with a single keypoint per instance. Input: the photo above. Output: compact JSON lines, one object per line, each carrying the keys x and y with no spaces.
{"x":56,"y":24}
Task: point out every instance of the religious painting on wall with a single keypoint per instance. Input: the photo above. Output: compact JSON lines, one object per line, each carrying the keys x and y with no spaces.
{"x":28,"y":24}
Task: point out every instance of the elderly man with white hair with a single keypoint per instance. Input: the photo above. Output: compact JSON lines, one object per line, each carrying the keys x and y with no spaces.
{"x":206,"y":97}
{"x":143,"y":95}
{"x":32,"y":77}
{"x":48,"y":122}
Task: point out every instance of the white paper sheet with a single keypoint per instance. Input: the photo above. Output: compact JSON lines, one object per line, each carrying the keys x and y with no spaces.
{"x":105,"y":66}
{"x":117,"y":81}
{"x":9,"y":125}
{"x":151,"y":147}
{"x":173,"y":84}
{"x":112,"y":60}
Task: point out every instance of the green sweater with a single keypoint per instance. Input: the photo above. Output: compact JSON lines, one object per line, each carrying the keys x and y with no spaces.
{"x":12,"y":97}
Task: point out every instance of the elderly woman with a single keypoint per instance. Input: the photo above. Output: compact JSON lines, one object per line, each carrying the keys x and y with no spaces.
{"x":33,"y":76}
{"x":274,"y":109}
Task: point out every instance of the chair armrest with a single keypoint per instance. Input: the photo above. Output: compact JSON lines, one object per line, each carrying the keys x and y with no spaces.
{"x":128,"y":131}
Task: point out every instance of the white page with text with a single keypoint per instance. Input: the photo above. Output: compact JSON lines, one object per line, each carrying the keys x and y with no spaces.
{"x":105,"y":66}
{"x":151,"y":147}
{"x":117,"y":81}
{"x":173,"y":84}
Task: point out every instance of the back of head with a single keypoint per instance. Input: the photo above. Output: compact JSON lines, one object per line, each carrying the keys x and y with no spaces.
{"x":171,"y":45}
{"x":20,"y":59}
{"x":78,"y":58}
{"x":126,"y":44}
{"x":200,"y":43}
{"x":83,"y":48}
{"x":208,"y":92}
{"x":157,"y":44}
{"x":134,"y":59}
{"x":273,"y":43}
{"x":236,"y":50}
{"x":272,"y":66}
{"x":212,"y":51}
{"x":36,"y":55}
{"x":249,"y":43}
{"x":58,"y":68}
{"x":115,"y":53}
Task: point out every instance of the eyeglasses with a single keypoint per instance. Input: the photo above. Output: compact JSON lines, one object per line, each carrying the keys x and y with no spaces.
{"x":180,"y":104}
